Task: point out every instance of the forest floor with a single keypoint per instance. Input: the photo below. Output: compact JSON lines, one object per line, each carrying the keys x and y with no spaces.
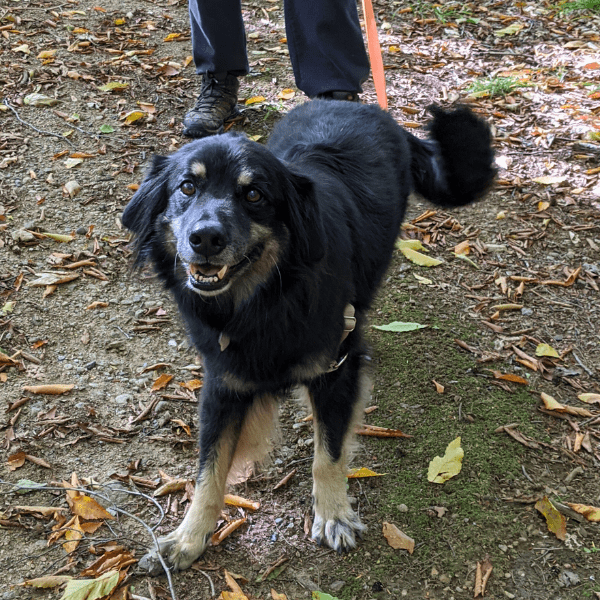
{"x":510,"y":326}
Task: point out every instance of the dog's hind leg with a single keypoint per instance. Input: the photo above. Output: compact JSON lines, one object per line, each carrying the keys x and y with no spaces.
{"x":338,"y":401}
{"x":223,"y":416}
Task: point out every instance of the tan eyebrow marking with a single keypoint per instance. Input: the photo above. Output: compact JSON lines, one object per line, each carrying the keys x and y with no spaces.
{"x":244,"y":178}
{"x":198,"y":169}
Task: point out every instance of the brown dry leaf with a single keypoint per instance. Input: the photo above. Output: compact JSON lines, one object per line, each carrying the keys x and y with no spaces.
{"x":397,"y":539}
{"x":192,"y":385}
{"x":116,"y":559}
{"x":37,"y":461}
{"x":551,"y":403}
{"x":463,"y":248}
{"x":285,"y":479}
{"x":176,"y":485}
{"x":482,"y":574}
{"x":569,"y":282}
{"x":183,"y":425}
{"x":383,"y":432}
{"x":226,"y":531}
{"x":439,"y":388}
{"x":590,"y":398}
{"x":96,"y":304}
{"x":53,"y":389}
{"x":88,"y":508}
{"x":286,"y":94}
{"x":49,"y":581}
{"x":255,"y":100}
{"x":232,"y":583}
{"x":276,"y":596}
{"x":557,"y":524}
{"x":161,"y":382}
{"x":6,"y":360}
{"x":233,"y":500}
{"x":17,"y":460}
{"x":591,"y":513}
{"x":510,"y":377}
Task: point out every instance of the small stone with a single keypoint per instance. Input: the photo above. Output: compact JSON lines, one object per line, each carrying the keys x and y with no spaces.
{"x":20,"y":235}
{"x":279,"y":520}
{"x":336,"y":586}
{"x":161,"y":406}
{"x":81,"y":230}
{"x":503,"y":548}
{"x":445,"y":579}
{"x":526,"y":312}
{"x":403,"y":508}
{"x":124,"y":398}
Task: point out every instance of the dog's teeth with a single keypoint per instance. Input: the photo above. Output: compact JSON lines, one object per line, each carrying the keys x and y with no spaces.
{"x":222,"y":272}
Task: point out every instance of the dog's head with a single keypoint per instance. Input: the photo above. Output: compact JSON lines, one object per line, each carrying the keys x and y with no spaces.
{"x":226,"y":211}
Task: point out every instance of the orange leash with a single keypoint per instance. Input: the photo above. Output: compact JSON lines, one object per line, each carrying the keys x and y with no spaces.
{"x":375,"y":53}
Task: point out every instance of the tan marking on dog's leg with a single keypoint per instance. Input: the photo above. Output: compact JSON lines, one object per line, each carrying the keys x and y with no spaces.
{"x":198,"y":169}
{"x":184,"y":545}
{"x":335,"y":523}
{"x":256,"y":438}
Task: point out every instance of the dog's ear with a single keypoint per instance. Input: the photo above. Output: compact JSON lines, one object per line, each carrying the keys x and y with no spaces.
{"x":304,"y":220}
{"x":147,"y":204}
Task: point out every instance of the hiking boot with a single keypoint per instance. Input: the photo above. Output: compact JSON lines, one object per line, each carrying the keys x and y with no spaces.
{"x":348,"y":96}
{"x":216,"y":104}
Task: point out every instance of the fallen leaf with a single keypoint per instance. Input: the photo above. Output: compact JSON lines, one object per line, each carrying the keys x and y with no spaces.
{"x":277,"y":596}
{"x":546,"y":350}
{"x":226,"y":531}
{"x":96,"y":304}
{"x":16,"y":461}
{"x":439,"y":388}
{"x":399,"y":327}
{"x":183,"y":425}
{"x":549,"y":180}
{"x":550,"y":403}
{"x":397,"y":539}
{"x":382,"y":432}
{"x":286,"y":94}
{"x":192,"y":385}
{"x":482,"y":574}
{"x":420,"y":259}
{"x":38,"y":100}
{"x":557,"y":523}
{"x":363,"y":472}
{"x":441,"y":469}
{"x":255,"y":100}
{"x":412,"y":244}
{"x":161,"y":382}
{"x":91,"y":589}
{"x":54,"y":389}
{"x":133,"y":116}
{"x":233,"y":500}
{"x":591,"y":513}
{"x":590,"y":398}
{"x":49,"y":581}
{"x":71,"y":188}
{"x":510,"y":377}
{"x":512,"y":29}
{"x":88,"y":508}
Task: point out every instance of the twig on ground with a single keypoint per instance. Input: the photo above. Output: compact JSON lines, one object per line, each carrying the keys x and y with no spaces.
{"x":62,"y":137}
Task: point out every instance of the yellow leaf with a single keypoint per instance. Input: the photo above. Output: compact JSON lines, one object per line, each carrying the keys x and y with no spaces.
{"x":80,"y":589}
{"x":462,"y":248}
{"x":549,"y":180}
{"x":591,"y":513}
{"x":590,"y":398}
{"x":556,"y":522}
{"x":543,"y":206}
{"x":114,"y":86}
{"x":88,"y":508}
{"x":420,"y":259}
{"x":276,"y":596}
{"x":133,"y":116}
{"x":192,"y":384}
{"x":120,"y":21}
{"x":443,"y":468}
{"x":551,"y":403}
{"x":59,"y":237}
{"x":255,"y":100}
{"x":422,"y":280}
{"x":397,"y":539}
{"x":512,"y":29}
{"x":546,"y":350}
{"x":364,"y":472}
{"x":172,"y":37}
{"x":412,"y":244}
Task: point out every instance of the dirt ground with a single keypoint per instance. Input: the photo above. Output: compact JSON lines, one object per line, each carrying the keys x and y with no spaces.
{"x":72,"y":313}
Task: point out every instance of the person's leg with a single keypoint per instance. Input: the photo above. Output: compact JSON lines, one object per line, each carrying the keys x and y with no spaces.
{"x":218,"y":37}
{"x":326,"y":46}
{"x":219,"y":50}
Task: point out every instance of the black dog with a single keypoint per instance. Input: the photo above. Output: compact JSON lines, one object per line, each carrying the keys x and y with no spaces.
{"x":274,"y":254}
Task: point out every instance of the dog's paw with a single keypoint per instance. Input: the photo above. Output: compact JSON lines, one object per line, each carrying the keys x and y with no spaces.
{"x":339,"y":533}
{"x":178,"y":550}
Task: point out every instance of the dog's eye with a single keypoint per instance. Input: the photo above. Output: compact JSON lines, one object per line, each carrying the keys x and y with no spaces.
{"x":188,"y":188}
{"x":253,"y":196}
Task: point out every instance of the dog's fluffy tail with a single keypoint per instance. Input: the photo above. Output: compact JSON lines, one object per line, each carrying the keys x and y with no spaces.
{"x":455,"y":166}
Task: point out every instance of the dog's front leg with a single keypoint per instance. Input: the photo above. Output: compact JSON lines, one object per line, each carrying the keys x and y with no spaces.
{"x":337,"y":400}
{"x":221,"y":419}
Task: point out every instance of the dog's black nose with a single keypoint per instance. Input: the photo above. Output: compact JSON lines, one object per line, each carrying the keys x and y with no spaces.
{"x":208,"y":239}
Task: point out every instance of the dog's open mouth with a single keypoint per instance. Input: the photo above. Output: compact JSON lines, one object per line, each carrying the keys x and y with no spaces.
{"x":211,"y":278}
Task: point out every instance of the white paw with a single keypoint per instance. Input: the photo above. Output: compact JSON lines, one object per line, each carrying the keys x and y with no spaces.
{"x":178,"y":549}
{"x":339,"y":533}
